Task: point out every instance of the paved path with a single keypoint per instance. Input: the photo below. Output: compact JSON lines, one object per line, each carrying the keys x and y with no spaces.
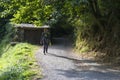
{"x":60,"y":64}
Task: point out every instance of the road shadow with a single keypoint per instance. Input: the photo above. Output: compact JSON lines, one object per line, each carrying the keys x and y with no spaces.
{"x":88,"y":75}
{"x":87,"y":72}
{"x":91,"y":63}
{"x":73,"y":59}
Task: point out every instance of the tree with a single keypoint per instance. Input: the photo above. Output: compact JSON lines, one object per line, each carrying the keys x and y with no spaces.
{"x":29,"y":11}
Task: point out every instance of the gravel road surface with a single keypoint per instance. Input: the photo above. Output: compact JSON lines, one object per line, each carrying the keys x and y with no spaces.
{"x":60,"y":64}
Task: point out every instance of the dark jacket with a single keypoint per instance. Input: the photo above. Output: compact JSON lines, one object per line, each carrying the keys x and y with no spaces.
{"x":45,"y":38}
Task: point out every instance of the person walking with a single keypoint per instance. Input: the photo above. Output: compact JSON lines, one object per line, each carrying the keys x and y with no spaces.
{"x":45,"y":39}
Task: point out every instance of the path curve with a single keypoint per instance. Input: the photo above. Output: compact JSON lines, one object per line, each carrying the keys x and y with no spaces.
{"x":60,"y":64}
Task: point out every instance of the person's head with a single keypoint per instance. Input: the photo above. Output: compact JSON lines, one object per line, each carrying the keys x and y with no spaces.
{"x":45,"y":30}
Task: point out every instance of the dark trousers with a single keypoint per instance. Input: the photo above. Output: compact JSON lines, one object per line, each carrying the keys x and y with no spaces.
{"x":45,"y":48}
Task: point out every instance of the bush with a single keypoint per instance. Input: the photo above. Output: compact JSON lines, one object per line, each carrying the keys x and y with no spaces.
{"x":8,"y":36}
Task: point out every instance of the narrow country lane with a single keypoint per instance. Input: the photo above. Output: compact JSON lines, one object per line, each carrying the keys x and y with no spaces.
{"x":61,"y":64}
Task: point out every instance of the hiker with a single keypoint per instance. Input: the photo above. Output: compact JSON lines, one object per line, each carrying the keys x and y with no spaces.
{"x":45,"y":40}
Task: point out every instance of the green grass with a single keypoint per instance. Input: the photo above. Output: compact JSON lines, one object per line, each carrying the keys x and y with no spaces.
{"x":18,"y":63}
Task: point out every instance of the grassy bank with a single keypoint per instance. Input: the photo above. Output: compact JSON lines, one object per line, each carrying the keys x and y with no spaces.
{"x":18,"y":63}
{"x":102,"y":47}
